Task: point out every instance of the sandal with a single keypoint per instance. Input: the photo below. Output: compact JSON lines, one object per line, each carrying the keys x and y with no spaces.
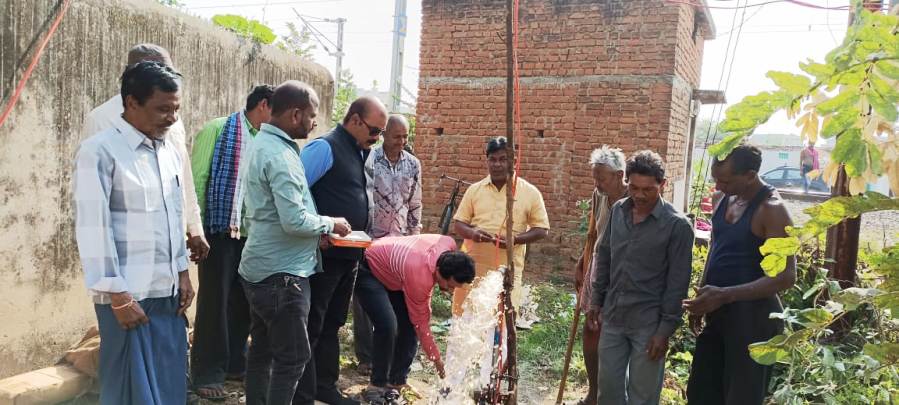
{"x":212,"y":392}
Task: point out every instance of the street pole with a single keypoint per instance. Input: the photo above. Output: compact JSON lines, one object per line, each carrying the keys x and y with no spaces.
{"x":399,"y":47}
{"x":339,"y":54}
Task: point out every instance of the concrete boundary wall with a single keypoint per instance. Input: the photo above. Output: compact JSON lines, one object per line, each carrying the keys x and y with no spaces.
{"x":43,"y":304}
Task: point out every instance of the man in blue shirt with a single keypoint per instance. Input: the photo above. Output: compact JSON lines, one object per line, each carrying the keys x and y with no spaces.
{"x":335,"y":171}
{"x":281,"y":252}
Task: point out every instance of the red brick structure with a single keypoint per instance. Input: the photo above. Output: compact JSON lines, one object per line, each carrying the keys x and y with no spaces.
{"x":593,"y":72}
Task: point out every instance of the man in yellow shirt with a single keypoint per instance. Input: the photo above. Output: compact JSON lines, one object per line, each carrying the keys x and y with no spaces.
{"x":481,"y":221}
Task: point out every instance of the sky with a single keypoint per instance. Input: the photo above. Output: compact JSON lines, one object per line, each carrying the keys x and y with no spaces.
{"x":773,"y":37}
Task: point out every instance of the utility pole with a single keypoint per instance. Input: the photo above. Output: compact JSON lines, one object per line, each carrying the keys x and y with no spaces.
{"x":399,"y":49}
{"x":339,"y":54}
{"x":842,"y":238}
{"x":321,"y":38}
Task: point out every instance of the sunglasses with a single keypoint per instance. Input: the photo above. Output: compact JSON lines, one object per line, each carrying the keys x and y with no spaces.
{"x":372,"y":131}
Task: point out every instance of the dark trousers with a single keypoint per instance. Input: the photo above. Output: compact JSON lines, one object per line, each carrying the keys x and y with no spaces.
{"x":331,"y":292}
{"x":362,"y":332}
{"x":222,"y":322}
{"x":279,"y":309}
{"x":394,"y":335}
{"x":723,"y":372}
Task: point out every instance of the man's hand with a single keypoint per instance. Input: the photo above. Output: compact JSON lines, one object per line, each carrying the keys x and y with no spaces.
{"x":131,"y":315}
{"x":657,"y":347}
{"x":185,"y":292}
{"x":441,"y":371}
{"x":342,"y":227}
{"x":594,"y":318}
{"x":695,"y":322}
{"x":707,"y":299}
{"x":199,"y":248}
{"x":481,"y":236}
{"x":324,"y":243}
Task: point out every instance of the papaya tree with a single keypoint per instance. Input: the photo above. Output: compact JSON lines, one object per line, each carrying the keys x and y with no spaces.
{"x":852,"y":97}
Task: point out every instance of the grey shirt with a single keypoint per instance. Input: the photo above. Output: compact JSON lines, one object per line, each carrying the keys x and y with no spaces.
{"x":643,"y":270}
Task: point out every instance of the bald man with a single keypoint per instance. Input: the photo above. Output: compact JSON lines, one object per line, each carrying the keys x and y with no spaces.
{"x":335,"y":171}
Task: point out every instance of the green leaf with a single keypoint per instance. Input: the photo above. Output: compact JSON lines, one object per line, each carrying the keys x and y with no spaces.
{"x":251,"y":29}
{"x":853,"y":297}
{"x":888,"y":69}
{"x":851,"y":151}
{"x":875,"y":159}
{"x":886,"y":353}
{"x":846,"y":98}
{"x":723,"y":148}
{"x":776,"y":251}
{"x":812,"y":317}
{"x":819,"y":70}
{"x":834,"y":210}
{"x":885,"y":89}
{"x":791,"y":82}
{"x":827,"y":356}
{"x":839,"y":122}
{"x":888,"y":301}
{"x":884,"y":108}
{"x":770,"y":352}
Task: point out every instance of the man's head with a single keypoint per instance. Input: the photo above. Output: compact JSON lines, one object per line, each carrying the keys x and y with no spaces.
{"x":258,"y":108}
{"x":645,"y":179}
{"x":810,"y":145}
{"x":497,"y":159}
{"x":294,"y":107}
{"x":151,"y":96}
{"x":397,"y":133}
{"x":738,"y":171}
{"x":149,"y":52}
{"x":454,"y":268}
{"x":366,"y":120}
{"x":608,"y":169}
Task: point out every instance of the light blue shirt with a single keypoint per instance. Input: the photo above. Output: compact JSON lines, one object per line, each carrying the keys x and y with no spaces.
{"x":128,"y":213}
{"x":281,"y":220}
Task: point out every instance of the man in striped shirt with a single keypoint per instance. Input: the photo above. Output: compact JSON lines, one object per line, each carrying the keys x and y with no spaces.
{"x":394,"y":287}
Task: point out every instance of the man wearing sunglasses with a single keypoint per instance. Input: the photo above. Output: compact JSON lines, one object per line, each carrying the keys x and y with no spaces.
{"x":335,"y":171}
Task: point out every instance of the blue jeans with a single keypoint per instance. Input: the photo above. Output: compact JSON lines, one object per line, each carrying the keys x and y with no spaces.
{"x":279,"y":310}
{"x":394,"y":336}
{"x":626,"y":374}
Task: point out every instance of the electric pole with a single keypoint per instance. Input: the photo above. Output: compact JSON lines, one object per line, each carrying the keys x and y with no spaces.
{"x":338,"y":54}
{"x":321,"y":38}
{"x":399,"y":48}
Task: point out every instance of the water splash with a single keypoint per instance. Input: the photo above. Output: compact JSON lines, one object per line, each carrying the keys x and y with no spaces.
{"x":469,"y":352}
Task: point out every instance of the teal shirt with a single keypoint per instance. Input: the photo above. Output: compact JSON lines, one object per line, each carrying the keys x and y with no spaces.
{"x":283,"y":225}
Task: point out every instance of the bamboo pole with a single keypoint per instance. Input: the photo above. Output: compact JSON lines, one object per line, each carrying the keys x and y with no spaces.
{"x":508,"y":281}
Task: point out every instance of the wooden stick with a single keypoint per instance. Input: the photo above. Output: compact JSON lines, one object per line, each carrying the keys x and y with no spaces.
{"x":572,"y":336}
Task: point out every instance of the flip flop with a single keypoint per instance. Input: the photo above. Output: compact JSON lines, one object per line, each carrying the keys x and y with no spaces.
{"x":212,"y":392}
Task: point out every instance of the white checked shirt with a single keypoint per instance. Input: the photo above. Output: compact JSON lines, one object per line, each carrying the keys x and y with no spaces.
{"x":128,"y":214}
{"x":104,"y":117}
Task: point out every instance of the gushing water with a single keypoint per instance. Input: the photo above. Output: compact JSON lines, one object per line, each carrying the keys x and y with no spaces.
{"x":469,"y":351}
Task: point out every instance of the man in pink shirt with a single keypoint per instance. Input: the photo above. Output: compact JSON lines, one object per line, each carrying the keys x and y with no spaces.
{"x":394,"y":287}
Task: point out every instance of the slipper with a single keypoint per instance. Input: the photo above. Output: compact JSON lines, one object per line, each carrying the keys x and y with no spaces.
{"x":212,"y":392}
{"x":407,"y":389}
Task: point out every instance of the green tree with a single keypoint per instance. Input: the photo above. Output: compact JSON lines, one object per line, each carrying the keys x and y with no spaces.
{"x":346,"y":93}
{"x":297,"y":42}
{"x":851,"y":96}
{"x":171,"y":3}
{"x":243,"y":27}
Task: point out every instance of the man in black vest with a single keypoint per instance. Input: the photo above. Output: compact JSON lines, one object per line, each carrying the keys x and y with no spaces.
{"x":335,"y":171}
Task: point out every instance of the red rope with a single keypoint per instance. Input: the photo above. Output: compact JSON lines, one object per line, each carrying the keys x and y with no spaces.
{"x":34,"y":60}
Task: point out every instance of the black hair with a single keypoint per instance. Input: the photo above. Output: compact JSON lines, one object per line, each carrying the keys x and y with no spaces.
{"x":141,"y":79}
{"x":496,"y":144}
{"x":292,"y":94}
{"x":646,"y":163}
{"x":260,"y":92}
{"x":743,"y":158}
{"x":456,"y":265}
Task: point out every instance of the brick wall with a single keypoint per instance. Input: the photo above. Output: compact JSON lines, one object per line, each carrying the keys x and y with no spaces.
{"x":592,"y":72}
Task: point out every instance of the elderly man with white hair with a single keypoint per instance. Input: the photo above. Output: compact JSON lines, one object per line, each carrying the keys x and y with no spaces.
{"x":608,"y":180}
